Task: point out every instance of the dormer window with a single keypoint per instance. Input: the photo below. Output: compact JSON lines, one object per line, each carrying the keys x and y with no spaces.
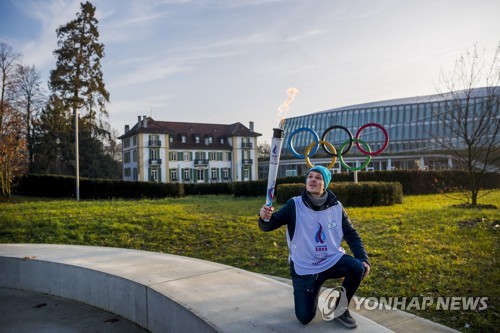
{"x":183,"y":139}
{"x":222,"y":140}
{"x":197,"y":139}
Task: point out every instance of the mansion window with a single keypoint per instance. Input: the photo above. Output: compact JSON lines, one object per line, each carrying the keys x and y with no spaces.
{"x":246,"y":154}
{"x":154,"y":175}
{"x":246,"y":143}
{"x":201,"y":175}
{"x":154,"y":154}
{"x":154,"y":139}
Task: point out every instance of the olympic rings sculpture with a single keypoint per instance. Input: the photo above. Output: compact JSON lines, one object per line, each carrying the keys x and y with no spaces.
{"x":328,"y":147}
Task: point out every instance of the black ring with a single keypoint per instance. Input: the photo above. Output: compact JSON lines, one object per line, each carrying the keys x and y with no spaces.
{"x":323,"y":138}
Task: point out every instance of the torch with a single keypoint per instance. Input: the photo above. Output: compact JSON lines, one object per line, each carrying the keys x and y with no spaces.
{"x":276,"y":143}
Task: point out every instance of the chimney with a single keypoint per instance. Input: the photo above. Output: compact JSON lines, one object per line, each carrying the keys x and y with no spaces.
{"x":127,"y":128}
{"x":251,"y":126}
{"x":145,"y":121}
{"x":138,"y":121}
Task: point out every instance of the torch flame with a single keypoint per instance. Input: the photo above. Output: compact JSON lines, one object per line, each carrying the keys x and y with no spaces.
{"x":283,"y":108}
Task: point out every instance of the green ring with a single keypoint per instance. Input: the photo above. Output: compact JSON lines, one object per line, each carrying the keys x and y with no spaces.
{"x":365,"y":146}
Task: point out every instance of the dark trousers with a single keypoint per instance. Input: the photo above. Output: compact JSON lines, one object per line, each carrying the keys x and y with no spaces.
{"x":306,"y":288}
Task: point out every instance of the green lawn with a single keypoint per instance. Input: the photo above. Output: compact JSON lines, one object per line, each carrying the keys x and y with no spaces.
{"x":424,"y":247}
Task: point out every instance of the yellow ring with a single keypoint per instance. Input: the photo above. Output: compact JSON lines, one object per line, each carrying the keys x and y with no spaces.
{"x":330,"y":146}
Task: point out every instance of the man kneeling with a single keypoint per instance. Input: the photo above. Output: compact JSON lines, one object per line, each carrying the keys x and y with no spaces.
{"x":316,"y":223}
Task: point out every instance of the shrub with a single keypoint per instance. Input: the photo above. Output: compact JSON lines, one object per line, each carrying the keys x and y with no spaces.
{"x":250,"y":189}
{"x":211,"y":188}
{"x":91,"y":188}
{"x":413,"y":181}
{"x":365,"y":194}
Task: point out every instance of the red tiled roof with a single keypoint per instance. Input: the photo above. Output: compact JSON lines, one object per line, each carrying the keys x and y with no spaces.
{"x":193,"y":130}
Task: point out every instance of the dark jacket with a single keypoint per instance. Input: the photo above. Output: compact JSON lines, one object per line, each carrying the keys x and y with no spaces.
{"x":286,"y":216}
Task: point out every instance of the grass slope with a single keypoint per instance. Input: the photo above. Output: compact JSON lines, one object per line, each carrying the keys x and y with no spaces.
{"x":424,"y":247}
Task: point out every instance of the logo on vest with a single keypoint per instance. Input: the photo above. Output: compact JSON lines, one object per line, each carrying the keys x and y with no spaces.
{"x":321,"y":248}
{"x":320,"y":235}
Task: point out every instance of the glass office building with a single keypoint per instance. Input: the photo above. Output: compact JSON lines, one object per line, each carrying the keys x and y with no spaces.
{"x":415,"y":129}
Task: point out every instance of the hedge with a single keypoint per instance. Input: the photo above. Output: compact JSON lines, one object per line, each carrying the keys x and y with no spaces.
{"x":64,"y":187}
{"x":413,"y":182}
{"x":211,"y":188}
{"x":365,"y":194}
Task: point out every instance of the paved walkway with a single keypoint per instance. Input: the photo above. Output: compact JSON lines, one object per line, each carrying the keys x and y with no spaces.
{"x":29,"y":312}
{"x":158,"y":291}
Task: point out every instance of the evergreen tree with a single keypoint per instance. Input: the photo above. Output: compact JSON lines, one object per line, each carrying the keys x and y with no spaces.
{"x":54,"y":140}
{"x":77,"y":88}
{"x":95,"y":162}
{"x":78,"y":79}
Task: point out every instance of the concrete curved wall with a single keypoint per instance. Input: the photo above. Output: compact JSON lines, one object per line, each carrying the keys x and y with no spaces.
{"x":120,"y":281}
{"x":160,"y":292}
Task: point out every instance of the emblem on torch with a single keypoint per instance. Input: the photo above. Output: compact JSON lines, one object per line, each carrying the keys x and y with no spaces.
{"x":273,"y":164}
{"x":276,"y":143}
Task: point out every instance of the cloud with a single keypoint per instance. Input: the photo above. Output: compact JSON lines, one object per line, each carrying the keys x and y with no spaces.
{"x":307,"y":34}
{"x":147,"y":72}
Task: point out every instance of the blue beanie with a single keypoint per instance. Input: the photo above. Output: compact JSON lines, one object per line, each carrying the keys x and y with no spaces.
{"x":327,"y":176}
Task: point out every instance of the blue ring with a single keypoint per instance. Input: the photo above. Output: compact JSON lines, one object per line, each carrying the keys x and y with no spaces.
{"x":292,"y":148}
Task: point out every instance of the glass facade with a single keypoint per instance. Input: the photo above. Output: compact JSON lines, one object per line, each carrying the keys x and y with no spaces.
{"x":415,"y":127}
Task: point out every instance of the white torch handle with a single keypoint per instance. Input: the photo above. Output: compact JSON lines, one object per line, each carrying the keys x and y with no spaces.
{"x":273,"y":165}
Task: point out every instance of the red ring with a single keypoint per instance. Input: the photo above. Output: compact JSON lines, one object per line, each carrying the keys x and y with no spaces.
{"x":383,"y":131}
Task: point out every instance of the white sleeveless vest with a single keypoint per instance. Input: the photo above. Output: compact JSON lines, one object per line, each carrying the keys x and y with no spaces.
{"x":315,"y":246}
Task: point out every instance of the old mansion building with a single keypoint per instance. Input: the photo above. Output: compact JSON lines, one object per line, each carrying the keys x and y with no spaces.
{"x":163,"y":151}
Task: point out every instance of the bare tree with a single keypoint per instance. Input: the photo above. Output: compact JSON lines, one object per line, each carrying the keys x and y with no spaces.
{"x":12,"y":149}
{"x":12,"y":146}
{"x":471,"y":116}
{"x":29,"y":100}
{"x":112,"y":147}
{"x":264,"y":149}
{"x":8,"y":61}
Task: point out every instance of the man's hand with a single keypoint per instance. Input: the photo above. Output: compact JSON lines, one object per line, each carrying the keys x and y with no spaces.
{"x":367,"y":269}
{"x":266,"y":212}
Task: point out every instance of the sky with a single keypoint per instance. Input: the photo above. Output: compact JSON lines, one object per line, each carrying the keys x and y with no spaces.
{"x":227,"y":61}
